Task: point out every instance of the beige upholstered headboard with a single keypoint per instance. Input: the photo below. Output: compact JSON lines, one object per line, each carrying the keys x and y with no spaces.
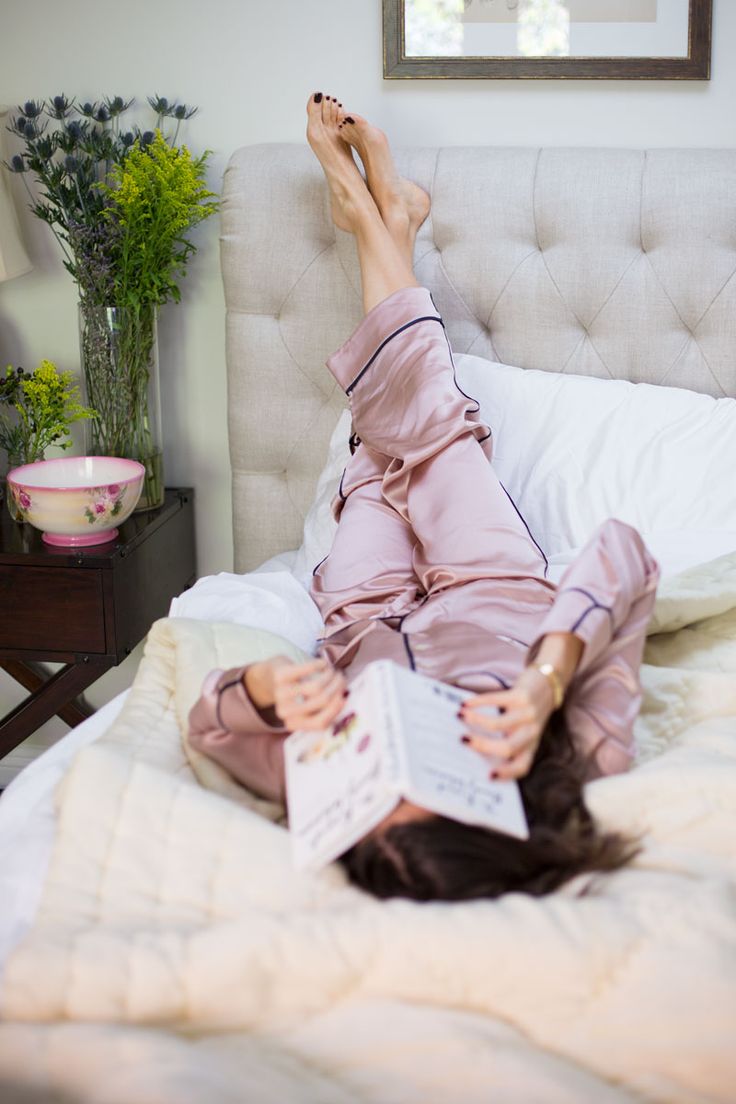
{"x":599,"y":262}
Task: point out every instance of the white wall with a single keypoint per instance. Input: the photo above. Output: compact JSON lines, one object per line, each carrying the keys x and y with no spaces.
{"x":250,"y":65}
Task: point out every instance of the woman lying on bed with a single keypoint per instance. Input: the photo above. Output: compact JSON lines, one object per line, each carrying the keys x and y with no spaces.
{"x":433,"y":566}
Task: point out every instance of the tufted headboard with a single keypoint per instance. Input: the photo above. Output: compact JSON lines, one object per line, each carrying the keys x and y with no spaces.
{"x":599,"y":262}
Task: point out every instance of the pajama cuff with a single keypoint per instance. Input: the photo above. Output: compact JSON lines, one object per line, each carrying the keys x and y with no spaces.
{"x":381,"y":323}
{"x":235,"y":710}
{"x":579,"y":612}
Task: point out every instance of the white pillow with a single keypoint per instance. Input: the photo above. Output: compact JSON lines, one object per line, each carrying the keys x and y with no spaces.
{"x":319,"y":524}
{"x":575,"y":450}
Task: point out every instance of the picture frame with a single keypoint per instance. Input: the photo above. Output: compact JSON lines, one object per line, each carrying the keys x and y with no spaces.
{"x":420,"y":39}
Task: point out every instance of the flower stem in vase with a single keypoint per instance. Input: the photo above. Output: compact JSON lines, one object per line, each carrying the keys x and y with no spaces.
{"x":120,"y":357}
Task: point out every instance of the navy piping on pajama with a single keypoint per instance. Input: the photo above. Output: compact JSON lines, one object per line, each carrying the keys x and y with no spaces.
{"x":220,"y":692}
{"x":414,"y":322}
{"x":316,"y":569}
{"x":488,"y":674}
{"x":405,"y":638}
{"x":470,"y":398}
{"x":523,"y":519}
{"x":354,"y":439}
{"x":595,"y":604}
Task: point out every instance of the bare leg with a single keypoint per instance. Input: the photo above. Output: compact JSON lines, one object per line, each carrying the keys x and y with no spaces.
{"x":403,"y":205}
{"x":384,"y":266}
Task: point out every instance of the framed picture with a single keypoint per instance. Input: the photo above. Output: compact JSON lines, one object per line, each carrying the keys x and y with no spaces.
{"x":543,"y":39}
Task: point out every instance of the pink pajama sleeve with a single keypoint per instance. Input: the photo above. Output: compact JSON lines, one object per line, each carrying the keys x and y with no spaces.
{"x":225,"y":725}
{"x":606,"y":598}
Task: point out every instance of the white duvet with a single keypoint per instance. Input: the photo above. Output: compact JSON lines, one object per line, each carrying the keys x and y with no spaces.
{"x":177,"y":957}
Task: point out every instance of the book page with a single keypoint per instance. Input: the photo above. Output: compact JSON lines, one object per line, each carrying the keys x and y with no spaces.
{"x":336,"y":784}
{"x":443,"y":774}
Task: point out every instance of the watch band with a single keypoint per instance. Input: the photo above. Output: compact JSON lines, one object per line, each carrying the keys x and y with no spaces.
{"x":553,"y":677}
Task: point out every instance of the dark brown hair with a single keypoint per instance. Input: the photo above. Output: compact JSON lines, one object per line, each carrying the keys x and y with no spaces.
{"x":440,"y":859}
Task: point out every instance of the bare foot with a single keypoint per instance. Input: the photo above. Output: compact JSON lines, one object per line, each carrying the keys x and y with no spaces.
{"x":403,"y":205}
{"x":343,"y":177}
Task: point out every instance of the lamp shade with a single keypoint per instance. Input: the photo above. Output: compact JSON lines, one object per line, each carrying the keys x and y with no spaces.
{"x":13,"y":257}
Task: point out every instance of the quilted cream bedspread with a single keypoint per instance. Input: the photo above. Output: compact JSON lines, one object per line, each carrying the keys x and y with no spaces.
{"x":177,"y":957}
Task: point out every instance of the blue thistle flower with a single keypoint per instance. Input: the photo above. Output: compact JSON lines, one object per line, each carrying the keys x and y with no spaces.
{"x":181,"y":112}
{"x":17,"y":164}
{"x":29,"y":130}
{"x":60,"y":107}
{"x":116,"y":105}
{"x":31,"y":109}
{"x":102,"y":115}
{"x":159,"y":104}
{"x":71,"y":164}
{"x":88,"y":109}
{"x":147,"y":137}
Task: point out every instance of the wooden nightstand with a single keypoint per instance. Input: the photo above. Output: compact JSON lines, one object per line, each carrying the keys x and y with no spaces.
{"x":86,"y":608}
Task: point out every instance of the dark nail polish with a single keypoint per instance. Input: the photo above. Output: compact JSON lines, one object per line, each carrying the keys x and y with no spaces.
{"x":493,"y":774}
{"x":346,"y":693}
{"x":318,"y":97}
{"x":464,"y":739}
{"x":349,"y":120}
{"x":460,"y":715}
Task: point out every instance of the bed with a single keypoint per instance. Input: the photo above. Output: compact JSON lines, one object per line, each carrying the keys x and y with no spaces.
{"x":139,"y":962}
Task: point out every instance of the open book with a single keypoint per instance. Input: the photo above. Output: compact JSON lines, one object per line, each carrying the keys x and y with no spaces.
{"x":398,"y":736}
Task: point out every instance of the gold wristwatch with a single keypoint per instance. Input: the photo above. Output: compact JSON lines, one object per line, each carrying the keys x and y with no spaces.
{"x":553,"y":677}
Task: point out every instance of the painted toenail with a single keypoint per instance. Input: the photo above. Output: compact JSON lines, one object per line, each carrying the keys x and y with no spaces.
{"x":317,"y":97}
{"x":349,"y":120}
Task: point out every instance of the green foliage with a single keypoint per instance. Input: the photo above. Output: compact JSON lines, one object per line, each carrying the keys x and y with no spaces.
{"x":154,"y":197}
{"x":120,"y":201}
{"x":42,"y":405}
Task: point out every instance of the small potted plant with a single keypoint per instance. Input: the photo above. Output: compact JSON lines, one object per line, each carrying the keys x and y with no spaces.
{"x":36,"y":410}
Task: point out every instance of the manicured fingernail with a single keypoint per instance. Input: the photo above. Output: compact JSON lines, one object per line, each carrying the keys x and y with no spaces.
{"x":346,"y":693}
{"x":339,"y":105}
{"x":318,"y":97}
{"x":460,"y":715}
{"x":493,"y":774}
{"x":349,"y":120}
{"x":464,"y":739}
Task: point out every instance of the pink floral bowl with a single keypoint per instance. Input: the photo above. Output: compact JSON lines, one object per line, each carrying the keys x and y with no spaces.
{"x":77,"y":500}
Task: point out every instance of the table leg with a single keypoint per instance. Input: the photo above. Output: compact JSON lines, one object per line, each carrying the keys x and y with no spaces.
{"x":47,"y":699}
{"x":33,"y":676}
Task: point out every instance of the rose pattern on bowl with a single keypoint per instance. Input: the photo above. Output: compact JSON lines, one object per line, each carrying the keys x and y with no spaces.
{"x":104,"y":503}
{"x":22,"y":501}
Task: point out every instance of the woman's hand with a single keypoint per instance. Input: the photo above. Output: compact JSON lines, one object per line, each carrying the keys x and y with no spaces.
{"x":513,"y":736}
{"x":308,"y":696}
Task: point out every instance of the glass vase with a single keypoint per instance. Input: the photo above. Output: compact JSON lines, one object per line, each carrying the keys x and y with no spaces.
{"x":119,"y":349}
{"x":15,"y":508}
